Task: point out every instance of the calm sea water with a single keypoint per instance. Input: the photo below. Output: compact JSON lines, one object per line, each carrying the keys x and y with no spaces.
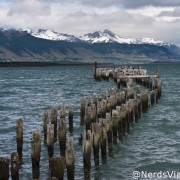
{"x":153,"y":144}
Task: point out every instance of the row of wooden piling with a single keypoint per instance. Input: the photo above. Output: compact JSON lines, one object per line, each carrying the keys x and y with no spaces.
{"x":52,"y":127}
{"x":107,"y":120}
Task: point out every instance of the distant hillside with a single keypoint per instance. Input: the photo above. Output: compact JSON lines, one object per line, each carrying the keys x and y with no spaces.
{"x":21,"y":46}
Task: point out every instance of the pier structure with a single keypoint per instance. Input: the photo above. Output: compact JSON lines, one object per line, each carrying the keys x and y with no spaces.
{"x":106,"y":121}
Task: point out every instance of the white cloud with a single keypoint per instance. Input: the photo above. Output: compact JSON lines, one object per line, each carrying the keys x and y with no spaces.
{"x":158,"y":19}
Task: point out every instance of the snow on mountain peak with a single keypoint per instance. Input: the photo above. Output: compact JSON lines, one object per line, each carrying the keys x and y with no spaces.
{"x":107,"y":36}
{"x":104,"y":36}
{"x":50,"y":35}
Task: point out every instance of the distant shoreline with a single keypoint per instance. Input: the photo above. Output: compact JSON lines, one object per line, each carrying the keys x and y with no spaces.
{"x":41,"y":64}
{"x":48,"y":64}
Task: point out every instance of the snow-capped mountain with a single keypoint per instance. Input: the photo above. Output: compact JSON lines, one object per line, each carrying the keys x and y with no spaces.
{"x":107,"y":36}
{"x":50,"y":35}
{"x":20,"y":45}
{"x":104,"y":36}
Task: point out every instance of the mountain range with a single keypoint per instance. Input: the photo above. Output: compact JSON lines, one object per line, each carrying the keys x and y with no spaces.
{"x":30,"y":45}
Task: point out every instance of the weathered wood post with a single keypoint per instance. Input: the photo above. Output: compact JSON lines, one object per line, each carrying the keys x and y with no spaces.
{"x":109,"y":132}
{"x":99,"y":108}
{"x":131,"y":110}
{"x":62,"y":135}
{"x":50,"y":141}
{"x":96,"y":137}
{"x":70,"y":159}
{"x":82,"y":112}
{"x":103,"y":139}
{"x":119,"y":126}
{"x":19,"y":137}
{"x":54,"y":121}
{"x":139,"y":105}
{"x":93,"y":113}
{"x":114,"y":125}
{"x":103,"y":108}
{"x":57,"y":167}
{"x":87,"y":144}
{"x":4,"y":168}
{"x":35,"y":154}
{"x":88,"y":117}
{"x":136,"y":115}
{"x":108,"y":105}
{"x":152,"y":97}
{"x":15,"y":166}
{"x":118,"y":83}
{"x":94,"y":96}
{"x":124,"y":122}
{"x":45,"y":122}
{"x":70,"y":120}
{"x":144,"y":98}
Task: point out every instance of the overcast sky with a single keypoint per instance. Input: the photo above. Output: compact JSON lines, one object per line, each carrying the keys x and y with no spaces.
{"x":159,"y":19}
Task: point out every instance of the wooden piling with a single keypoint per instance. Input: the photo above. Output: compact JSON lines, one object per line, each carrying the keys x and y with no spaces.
{"x":136,"y":115}
{"x":109,"y":132}
{"x":45,"y":122}
{"x":19,"y":137}
{"x":124,"y":122}
{"x":119,"y":126}
{"x":82,"y":111}
{"x":99,"y":108}
{"x":70,"y":120}
{"x":54,"y":121}
{"x":57,"y":167}
{"x":139,"y":105}
{"x":50,"y":140}
{"x":95,"y":139}
{"x":114,"y":125}
{"x":62,"y":135}
{"x":4,"y":168}
{"x":88,"y":117}
{"x":152,"y":97}
{"x":87,"y":158}
{"x":70,"y":159}
{"x":15,"y":166}
{"x":108,"y":105}
{"x":103,"y":139}
{"x":103,"y":108}
{"x":144,"y":99}
{"x":35,"y":154}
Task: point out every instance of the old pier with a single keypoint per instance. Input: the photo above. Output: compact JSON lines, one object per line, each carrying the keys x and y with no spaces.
{"x":105,"y":121}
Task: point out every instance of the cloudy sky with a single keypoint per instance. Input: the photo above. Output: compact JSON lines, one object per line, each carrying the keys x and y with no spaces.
{"x":159,"y":19}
